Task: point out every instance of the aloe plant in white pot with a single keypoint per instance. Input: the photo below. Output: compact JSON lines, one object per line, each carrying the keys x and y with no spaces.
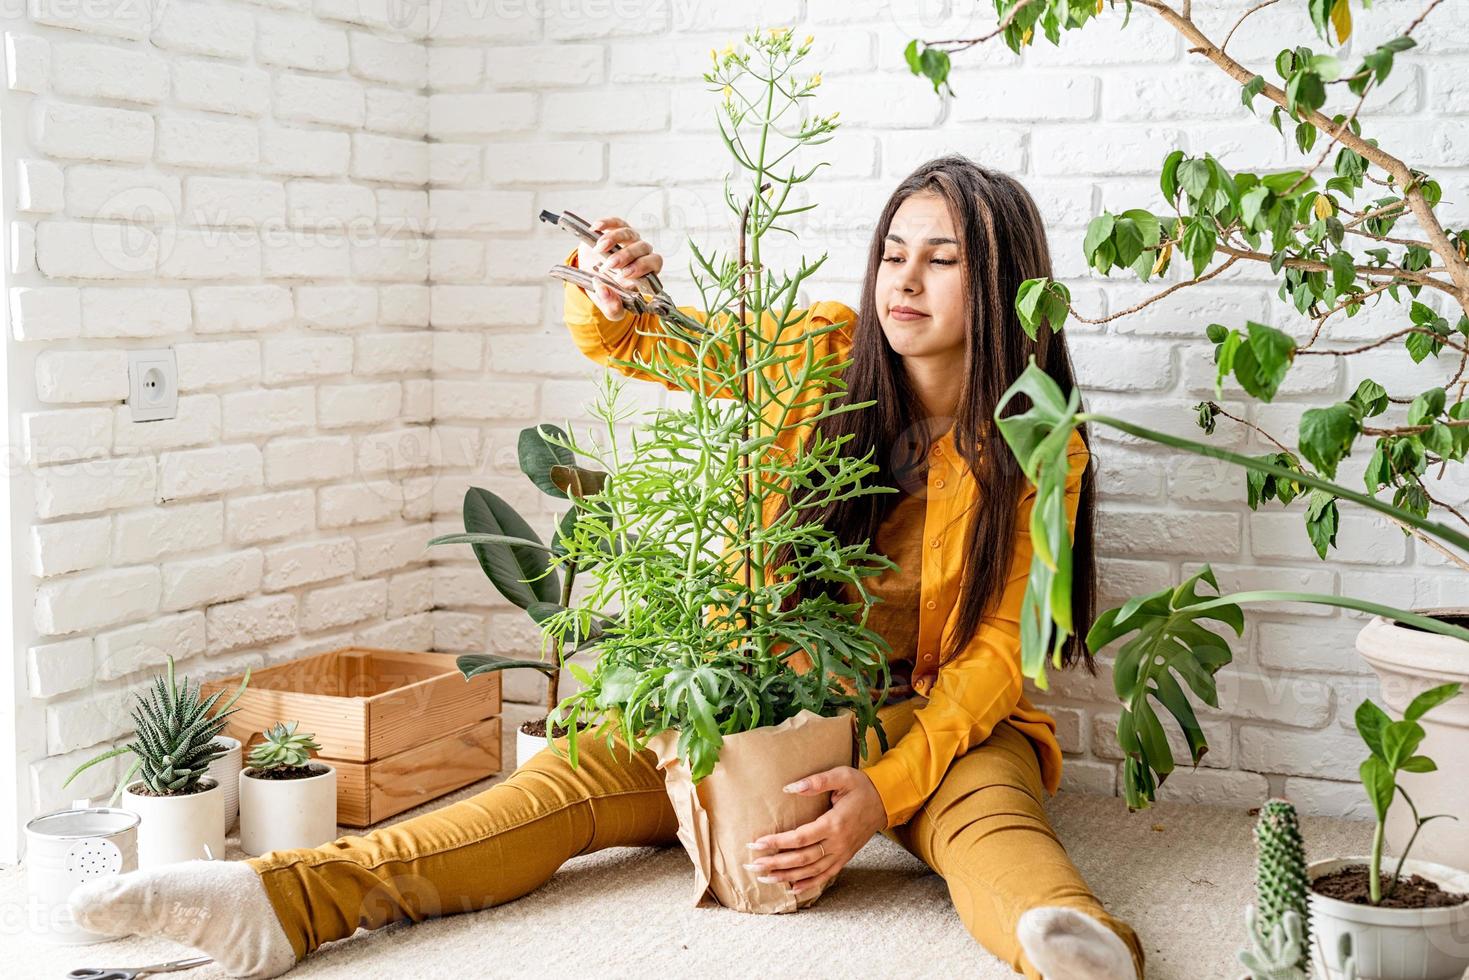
{"x":287,"y":798}
{"x":175,"y":740}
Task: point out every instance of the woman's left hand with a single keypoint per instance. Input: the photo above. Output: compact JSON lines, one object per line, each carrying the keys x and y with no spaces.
{"x":813,"y":853}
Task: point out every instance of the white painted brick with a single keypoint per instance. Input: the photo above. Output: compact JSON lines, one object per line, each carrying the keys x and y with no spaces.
{"x":1326,"y":754}
{"x":217,"y":363}
{"x":308,"y":258}
{"x":304,"y":152}
{"x":1023,"y":95}
{"x":235,"y":309}
{"x":85,"y":132}
{"x":484,"y":399}
{"x":90,"y":600}
{"x":1214,"y":787}
{"x":1319,"y":646}
{"x":269,"y":516}
{"x":410,"y":592}
{"x":1105,"y":363}
{"x":458,"y":632}
{"x":251,"y":622}
{"x":55,"y":668}
{"x":409,"y":633}
{"x":94,"y":485}
{"x":207,"y":143}
{"x":211,"y":254}
{"x":454,"y":116}
{"x":290,"y":359}
{"x":110,"y":20}
{"x":309,"y":99}
{"x":402,"y":211}
{"x":204,"y":472}
{"x":227,"y":201}
{"x":65,"y":435}
{"x":69,"y":546}
{"x":81,"y":376}
{"x":387,"y":59}
{"x":39,"y":186}
{"x":147,"y":646}
{"x":538,"y":67}
{"x":342,"y":605}
{"x":534,"y":354}
{"x":134,"y":312}
{"x":453,"y":163}
{"x":27,"y":62}
{"x":392,"y":550}
{"x":205,"y":28}
{"x":79,"y":723}
{"x":457,"y":67}
{"x":92,"y":250}
{"x":566,"y":23}
{"x":394,"y":451}
{"x":122,"y":194}
{"x":394,"y":353}
{"x":1217,"y":733}
{"x":465,"y":306}
{"x":1363,"y":540}
{"x":457,"y":352}
{"x":455,"y":211}
{"x":360,"y":502}
{"x":400,"y":258}
{"x":22,"y":247}
{"x":403,"y":305}
{"x":1200,"y":533}
{"x":561,"y":161}
{"x":98,"y":71}
{"x":155,"y":532}
{"x":456,"y":259}
{"x":456,"y":446}
{"x":308,"y":460}
{"x":389,"y":159}
{"x":580,"y":112}
{"x":201,"y":581}
{"x":1325,"y":798}
{"x":236,"y":89}
{"x":291,"y":565}
{"x":418,"y":400}
{"x":464,"y":584}
{"x":358,"y":404}
{"x":337,"y":307}
{"x":1088,"y":777}
{"x":317,"y":204}
{"x":45,"y":313}
{"x":268,"y":412}
{"x":300,"y":42}
{"x":393,"y":111}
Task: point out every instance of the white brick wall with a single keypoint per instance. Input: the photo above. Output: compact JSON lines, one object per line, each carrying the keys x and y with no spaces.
{"x":257,"y":188}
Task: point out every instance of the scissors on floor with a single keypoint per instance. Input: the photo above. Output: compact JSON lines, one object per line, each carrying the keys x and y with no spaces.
{"x":126,"y":973}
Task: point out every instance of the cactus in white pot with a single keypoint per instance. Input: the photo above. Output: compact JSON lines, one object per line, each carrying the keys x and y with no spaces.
{"x":287,"y":798}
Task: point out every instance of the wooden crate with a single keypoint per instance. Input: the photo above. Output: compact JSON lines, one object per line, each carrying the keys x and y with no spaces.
{"x":400,"y":727}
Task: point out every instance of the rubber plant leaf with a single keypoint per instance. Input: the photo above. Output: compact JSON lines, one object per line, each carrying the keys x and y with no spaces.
{"x":538,"y":457}
{"x":521,"y":573}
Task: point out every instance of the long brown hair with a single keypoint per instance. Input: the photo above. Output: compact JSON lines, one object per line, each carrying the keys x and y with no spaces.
{"x":1002,"y":244}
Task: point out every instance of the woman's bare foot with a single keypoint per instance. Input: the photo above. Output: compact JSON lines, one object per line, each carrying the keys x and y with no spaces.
{"x":1068,"y":944}
{"x":218,"y":907}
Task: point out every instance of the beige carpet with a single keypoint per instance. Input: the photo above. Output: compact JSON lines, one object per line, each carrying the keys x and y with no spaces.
{"x":1180,"y":874}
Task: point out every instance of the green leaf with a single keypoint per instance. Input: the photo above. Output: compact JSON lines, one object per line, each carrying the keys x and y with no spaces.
{"x":474,"y":664}
{"x":1372,"y":721}
{"x":537,"y":457}
{"x":1431,"y":698}
{"x":1377,"y":780}
{"x":1322,"y":521}
{"x":521,"y":574}
{"x":1371,"y":398}
{"x":1327,"y":435}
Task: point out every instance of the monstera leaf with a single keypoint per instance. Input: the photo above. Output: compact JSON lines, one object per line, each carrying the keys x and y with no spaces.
{"x":1168,"y":638}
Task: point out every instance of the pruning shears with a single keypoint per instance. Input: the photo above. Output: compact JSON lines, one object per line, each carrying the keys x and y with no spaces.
{"x":650,"y":295}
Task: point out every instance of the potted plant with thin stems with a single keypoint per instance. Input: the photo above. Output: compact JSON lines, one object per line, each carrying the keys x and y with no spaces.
{"x":1337,"y":249}
{"x":174,"y":741}
{"x":700,"y":638}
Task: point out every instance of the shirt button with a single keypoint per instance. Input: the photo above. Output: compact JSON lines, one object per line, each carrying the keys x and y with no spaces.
{"x":930,"y":604}
{"x":928,"y":656}
{"x":937,"y":451}
{"x":936,"y":542}
{"x":939,"y":484}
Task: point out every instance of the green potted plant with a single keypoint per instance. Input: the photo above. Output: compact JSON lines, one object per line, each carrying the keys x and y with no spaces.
{"x":699,"y":636}
{"x":287,"y":798}
{"x":1334,"y":244}
{"x":518,"y":564}
{"x":181,"y":808}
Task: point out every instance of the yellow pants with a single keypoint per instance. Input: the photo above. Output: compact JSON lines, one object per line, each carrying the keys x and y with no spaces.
{"x":983,"y":830}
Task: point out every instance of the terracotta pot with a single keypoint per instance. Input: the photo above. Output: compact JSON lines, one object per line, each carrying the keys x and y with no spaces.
{"x":178,"y":828}
{"x":1409,"y":662}
{"x":1392,"y":944}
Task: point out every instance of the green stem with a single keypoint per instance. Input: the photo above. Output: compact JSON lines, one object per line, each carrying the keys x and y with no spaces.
{"x":1374,"y":870}
{"x":1344,"y":602}
{"x":1441,"y":531}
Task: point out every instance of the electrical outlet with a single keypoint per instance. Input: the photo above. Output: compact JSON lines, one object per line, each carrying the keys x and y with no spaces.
{"x":153,"y":385}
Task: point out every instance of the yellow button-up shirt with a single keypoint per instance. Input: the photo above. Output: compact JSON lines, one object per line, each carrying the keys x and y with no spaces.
{"x":966,"y":694}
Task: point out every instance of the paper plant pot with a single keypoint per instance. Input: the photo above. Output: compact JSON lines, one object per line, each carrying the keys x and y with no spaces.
{"x":742,"y":799}
{"x":282,"y":814}
{"x":178,"y":828}
{"x":226,"y":772}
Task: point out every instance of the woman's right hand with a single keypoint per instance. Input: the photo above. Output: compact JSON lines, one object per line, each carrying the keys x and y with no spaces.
{"x":631,"y":262}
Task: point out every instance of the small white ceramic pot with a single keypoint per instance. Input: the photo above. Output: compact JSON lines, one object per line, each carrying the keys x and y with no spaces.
{"x":1392,"y":944}
{"x":178,"y":828}
{"x":66,"y":848}
{"x":283,"y":814}
{"x":527,"y":746}
{"x":226,"y":772}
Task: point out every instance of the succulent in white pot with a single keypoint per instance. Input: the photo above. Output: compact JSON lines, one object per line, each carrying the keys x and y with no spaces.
{"x":175,"y":741}
{"x":287,"y":798}
{"x":1411,"y":923}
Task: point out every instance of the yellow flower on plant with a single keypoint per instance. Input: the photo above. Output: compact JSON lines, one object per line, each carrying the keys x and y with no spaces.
{"x":728,"y":50}
{"x":809,"y":38}
{"x":779,"y":31}
{"x":815,"y":80}
{"x":728,"y":93}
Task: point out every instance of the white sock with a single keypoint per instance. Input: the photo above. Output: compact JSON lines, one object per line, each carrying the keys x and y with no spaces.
{"x":1068,"y":944}
{"x":218,"y":907}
